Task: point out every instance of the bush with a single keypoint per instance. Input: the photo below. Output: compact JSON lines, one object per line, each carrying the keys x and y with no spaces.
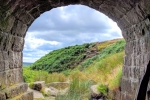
{"x":108,"y":50}
{"x":102,"y":89}
{"x":34,"y":75}
{"x":61,"y":59}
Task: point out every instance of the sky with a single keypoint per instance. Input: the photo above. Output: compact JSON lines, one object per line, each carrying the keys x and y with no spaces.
{"x":67,"y":26}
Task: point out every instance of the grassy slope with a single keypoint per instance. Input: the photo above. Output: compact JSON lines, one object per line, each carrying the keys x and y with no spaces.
{"x":69,"y":57}
{"x":104,"y":69}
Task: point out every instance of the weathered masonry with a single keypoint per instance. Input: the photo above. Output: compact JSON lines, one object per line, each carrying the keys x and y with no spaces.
{"x":132,"y":16}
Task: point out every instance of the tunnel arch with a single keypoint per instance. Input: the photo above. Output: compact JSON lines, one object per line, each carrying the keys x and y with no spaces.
{"x":132,"y":16}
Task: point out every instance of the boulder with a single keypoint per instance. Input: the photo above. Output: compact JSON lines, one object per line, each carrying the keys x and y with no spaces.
{"x":38,"y":85}
{"x":36,"y":94}
{"x":94,"y":91}
{"x":95,"y":94}
{"x":54,"y":92}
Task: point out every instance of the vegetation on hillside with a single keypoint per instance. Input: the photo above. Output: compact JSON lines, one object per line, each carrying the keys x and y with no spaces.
{"x":62,"y":59}
{"x":34,"y":75}
{"x":111,"y":49}
{"x":70,"y":57}
{"x":104,"y":69}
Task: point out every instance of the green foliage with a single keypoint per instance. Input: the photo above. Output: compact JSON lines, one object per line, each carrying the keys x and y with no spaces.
{"x":104,"y":68}
{"x":112,"y":49}
{"x":110,"y":62}
{"x":34,"y":75}
{"x":102,"y":89}
{"x":78,"y":90}
{"x":69,"y":57}
{"x":62,"y":59}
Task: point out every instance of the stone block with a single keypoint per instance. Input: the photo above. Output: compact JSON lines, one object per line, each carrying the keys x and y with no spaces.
{"x":6,"y":65}
{"x":19,"y":29}
{"x":2,"y":66}
{"x":129,"y":86}
{"x":128,"y":34}
{"x":11,"y":59}
{"x":5,"y":55}
{"x":124,"y":23}
{"x":144,"y":5}
{"x":18,"y":44}
{"x":26,"y":18}
{"x":134,"y":86}
{"x":129,"y":48}
{"x":3,"y":79}
{"x":126,"y":96}
{"x":19,"y":75}
{"x":4,"y":41}
{"x":27,"y":96}
{"x":17,"y":59}
{"x":139,"y":11}
{"x":35,"y":12}
{"x":10,"y":22}
{"x":135,"y":72}
{"x":13,"y":91}
{"x":2,"y":96}
{"x":11,"y":78}
{"x":104,"y":9}
{"x":1,"y":56}
{"x":14,"y":77}
{"x":127,"y":60}
{"x":144,"y":45}
{"x":126,"y":71}
{"x":126,"y":85}
{"x":134,"y":19}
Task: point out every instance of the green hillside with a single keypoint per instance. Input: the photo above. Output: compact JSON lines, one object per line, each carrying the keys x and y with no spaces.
{"x":70,"y":57}
{"x":96,"y":64}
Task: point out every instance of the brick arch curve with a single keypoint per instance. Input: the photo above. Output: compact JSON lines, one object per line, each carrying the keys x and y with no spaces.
{"x":132,"y":16}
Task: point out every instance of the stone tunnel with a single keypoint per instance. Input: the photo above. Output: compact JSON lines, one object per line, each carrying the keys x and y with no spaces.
{"x":132,"y":16}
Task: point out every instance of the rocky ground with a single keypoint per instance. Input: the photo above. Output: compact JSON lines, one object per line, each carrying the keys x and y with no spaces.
{"x":50,"y":91}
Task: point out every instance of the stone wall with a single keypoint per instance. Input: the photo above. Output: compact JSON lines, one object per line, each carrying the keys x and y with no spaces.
{"x":132,"y":16}
{"x":137,"y":57}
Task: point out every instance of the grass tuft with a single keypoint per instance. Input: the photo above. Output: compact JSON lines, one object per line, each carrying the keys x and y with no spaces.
{"x":102,"y":89}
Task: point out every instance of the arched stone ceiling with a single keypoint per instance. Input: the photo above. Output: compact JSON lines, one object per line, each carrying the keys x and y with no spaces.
{"x":132,"y":16}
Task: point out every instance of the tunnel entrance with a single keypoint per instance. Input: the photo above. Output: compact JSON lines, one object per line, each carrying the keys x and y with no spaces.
{"x":16,"y":16}
{"x":69,"y":26}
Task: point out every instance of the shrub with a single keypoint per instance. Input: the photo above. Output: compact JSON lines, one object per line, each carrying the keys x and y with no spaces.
{"x":34,"y":75}
{"x":102,"y":89}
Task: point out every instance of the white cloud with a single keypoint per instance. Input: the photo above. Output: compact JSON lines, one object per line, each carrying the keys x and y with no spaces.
{"x":35,"y":55}
{"x":34,"y":42}
{"x":65,"y":26}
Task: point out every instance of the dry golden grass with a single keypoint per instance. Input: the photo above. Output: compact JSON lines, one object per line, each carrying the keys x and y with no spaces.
{"x":56,"y":77}
{"x":106,"y":71}
{"x":105,"y":44}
